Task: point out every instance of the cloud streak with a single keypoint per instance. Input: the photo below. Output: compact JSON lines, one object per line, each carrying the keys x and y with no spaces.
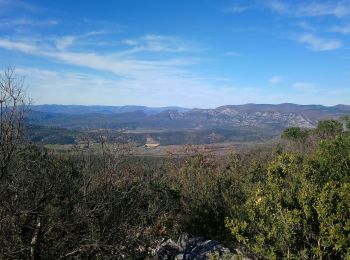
{"x":337,"y":9}
{"x":132,"y":80}
{"x":118,"y":63}
{"x":319,"y":44}
{"x":158,"y":43}
{"x":237,"y":8}
{"x":7,"y":6}
{"x":23,"y":22}
{"x":344,"y":29}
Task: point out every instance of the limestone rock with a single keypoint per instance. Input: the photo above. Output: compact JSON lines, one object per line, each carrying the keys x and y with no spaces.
{"x":190,"y":247}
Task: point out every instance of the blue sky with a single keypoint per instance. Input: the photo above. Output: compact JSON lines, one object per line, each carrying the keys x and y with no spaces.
{"x":192,"y":53}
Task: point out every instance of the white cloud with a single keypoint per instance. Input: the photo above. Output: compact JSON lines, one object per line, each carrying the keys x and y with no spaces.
{"x":306,"y":26}
{"x":158,"y":43}
{"x":339,"y":9}
{"x":19,"y":46}
{"x":129,"y":42}
{"x":11,"y":5}
{"x":237,"y":8}
{"x":326,"y":8}
{"x":24,"y":22}
{"x":345,"y":29}
{"x":319,"y":44}
{"x":299,"y":9}
{"x":118,"y":62}
{"x":277,"y":6}
{"x":277,"y":79}
{"x":129,"y":80}
{"x":63,"y":42}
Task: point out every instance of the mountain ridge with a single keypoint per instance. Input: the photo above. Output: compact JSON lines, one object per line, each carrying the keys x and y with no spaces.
{"x":257,"y":115}
{"x":76,"y":109}
{"x":171,"y":125}
{"x":87,"y":109}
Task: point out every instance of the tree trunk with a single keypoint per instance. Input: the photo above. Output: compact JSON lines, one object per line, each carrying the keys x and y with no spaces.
{"x":34,"y":242}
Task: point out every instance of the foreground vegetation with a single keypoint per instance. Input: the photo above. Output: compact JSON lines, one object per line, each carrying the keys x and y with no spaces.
{"x":290,"y":201}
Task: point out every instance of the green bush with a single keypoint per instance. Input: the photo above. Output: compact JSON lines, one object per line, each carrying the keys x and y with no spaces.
{"x":302,"y":210}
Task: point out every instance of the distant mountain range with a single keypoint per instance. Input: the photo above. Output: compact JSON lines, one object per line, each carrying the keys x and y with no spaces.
{"x":80,"y":109}
{"x":258,"y":115}
{"x":225,"y":123}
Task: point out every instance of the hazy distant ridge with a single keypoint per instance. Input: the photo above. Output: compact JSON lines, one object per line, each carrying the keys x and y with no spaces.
{"x":256,"y":115}
{"x":81,"y":109}
{"x":285,"y":108}
{"x":173,"y":125}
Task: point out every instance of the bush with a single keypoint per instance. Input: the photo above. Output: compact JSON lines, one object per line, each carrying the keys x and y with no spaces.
{"x":302,"y":210}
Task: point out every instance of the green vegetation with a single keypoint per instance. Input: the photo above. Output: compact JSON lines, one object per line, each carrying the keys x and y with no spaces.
{"x":288,"y":201}
{"x":301,"y":209}
{"x":295,"y":134}
{"x":279,"y":202}
{"x":329,"y":128}
{"x":51,"y":135}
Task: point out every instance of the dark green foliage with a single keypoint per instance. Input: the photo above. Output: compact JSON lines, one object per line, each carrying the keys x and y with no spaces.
{"x":51,"y":135}
{"x":202,"y":206}
{"x":295,"y":134}
{"x":302,"y":210}
{"x":279,"y":202}
{"x":75,"y":215}
{"x":272,"y":225}
{"x":38,"y":189}
{"x":329,"y":128}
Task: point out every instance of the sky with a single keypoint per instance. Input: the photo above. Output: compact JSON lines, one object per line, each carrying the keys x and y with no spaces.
{"x":190,"y":53}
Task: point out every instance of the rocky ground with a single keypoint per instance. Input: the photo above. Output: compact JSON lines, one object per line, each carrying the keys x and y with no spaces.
{"x":189,"y":247}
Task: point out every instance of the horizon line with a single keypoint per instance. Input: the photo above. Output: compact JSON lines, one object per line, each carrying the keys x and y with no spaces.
{"x":176,"y":106}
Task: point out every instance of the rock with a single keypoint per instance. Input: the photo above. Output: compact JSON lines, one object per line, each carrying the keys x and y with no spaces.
{"x":190,"y":247}
{"x":168,"y":250}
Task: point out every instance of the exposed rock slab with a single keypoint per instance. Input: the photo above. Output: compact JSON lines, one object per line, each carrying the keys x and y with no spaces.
{"x":190,"y":247}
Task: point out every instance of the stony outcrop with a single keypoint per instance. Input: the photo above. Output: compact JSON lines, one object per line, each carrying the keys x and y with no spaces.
{"x":190,"y":247}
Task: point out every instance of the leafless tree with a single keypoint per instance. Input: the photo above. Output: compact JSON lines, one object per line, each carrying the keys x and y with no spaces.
{"x":14,"y":104}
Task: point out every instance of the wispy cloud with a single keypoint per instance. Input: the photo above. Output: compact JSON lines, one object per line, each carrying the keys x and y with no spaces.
{"x":319,"y":44}
{"x":309,"y":9}
{"x":237,"y":8}
{"x":158,"y":43}
{"x":306,"y":26}
{"x":64,"y":42}
{"x":277,"y":6}
{"x":344,"y":29}
{"x":325,"y":8}
{"x":136,"y":80}
{"x":114,"y":62}
{"x":277,"y":79}
{"x":16,"y":5}
{"x":19,"y":46}
{"x":14,"y":22}
{"x":302,"y":12}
